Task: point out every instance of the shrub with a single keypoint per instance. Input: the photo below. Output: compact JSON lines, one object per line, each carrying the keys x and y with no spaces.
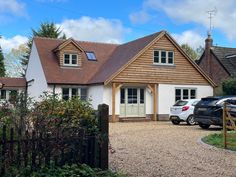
{"x":53,"y":113}
{"x":229,"y":86}
{"x":66,"y":170}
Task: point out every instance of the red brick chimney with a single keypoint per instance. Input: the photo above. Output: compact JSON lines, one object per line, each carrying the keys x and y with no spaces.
{"x":208,"y":45}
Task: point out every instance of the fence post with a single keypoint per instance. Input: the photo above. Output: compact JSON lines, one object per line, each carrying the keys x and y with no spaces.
{"x":224,"y":126}
{"x":103,"y":116}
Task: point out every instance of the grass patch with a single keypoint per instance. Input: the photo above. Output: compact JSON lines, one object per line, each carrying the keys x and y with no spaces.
{"x":217,"y":140}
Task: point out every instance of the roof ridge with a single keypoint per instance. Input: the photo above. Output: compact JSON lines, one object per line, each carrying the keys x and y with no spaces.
{"x":224,"y":47}
{"x":96,"y":42}
{"x":58,"y":39}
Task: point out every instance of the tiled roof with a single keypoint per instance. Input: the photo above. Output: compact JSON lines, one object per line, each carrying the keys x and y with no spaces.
{"x":13,"y":82}
{"x":68,"y":75}
{"x":110,"y":58}
{"x":228,"y":62}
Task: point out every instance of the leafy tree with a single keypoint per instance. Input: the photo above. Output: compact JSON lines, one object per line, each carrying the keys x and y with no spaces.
{"x":13,"y":61}
{"x":190,"y":51}
{"x":229,"y":86}
{"x":2,"y":66}
{"x":47,"y":29}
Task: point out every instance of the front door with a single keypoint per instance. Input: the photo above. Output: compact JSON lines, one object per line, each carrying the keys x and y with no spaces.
{"x":132,"y":102}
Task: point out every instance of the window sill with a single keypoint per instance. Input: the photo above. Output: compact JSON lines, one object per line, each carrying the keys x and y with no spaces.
{"x":164,"y":65}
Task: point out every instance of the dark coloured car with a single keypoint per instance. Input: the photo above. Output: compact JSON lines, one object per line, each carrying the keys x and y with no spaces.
{"x":209,"y":111}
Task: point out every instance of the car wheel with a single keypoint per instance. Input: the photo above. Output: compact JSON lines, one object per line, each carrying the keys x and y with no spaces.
{"x":190,"y":120}
{"x":175,"y":122}
{"x":204,"y":126}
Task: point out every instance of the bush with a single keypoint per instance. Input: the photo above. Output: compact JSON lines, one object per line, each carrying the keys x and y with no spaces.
{"x":229,"y":86}
{"x":53,"y":113}
{"x":67,"y":170}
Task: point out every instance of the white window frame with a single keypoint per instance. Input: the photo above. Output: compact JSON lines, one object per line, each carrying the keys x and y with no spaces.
{"x":70,"y":91}
{"x":167,"y":57}
{"x":189,"y":92}
{"x":70,"y":59}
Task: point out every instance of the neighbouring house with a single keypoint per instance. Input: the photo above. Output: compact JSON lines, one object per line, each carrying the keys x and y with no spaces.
{"x":10,"y":86}
{"x":218,"y":62}
{"x":138,"y":79}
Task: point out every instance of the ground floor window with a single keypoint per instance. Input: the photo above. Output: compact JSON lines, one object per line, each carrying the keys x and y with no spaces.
{"x":68,"y":93}
{"x":8,"y":95}
{"x":185,"y":93}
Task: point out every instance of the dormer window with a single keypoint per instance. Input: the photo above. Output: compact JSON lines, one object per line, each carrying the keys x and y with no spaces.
{"x":71,"y":59}
{"x":91,"y":56}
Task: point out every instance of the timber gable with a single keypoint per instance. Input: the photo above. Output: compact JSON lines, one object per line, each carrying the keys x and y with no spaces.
{"x":143,"y":70}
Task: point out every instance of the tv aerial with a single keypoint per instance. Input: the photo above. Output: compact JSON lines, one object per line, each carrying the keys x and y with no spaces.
{"x":211,"y":14}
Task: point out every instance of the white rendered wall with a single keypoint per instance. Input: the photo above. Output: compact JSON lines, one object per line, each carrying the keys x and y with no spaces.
{"x":95,"y":95}
{"x":148,"y":101}
{"x":166,"y":95}
{"x":35,"y":71}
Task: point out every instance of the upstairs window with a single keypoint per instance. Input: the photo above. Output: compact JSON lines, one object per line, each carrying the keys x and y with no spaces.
{"x":91,"y":56}
{"x":163,"y":57}
{"x":71,"y":59}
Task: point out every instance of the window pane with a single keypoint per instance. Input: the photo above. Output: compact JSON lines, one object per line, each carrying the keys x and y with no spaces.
{"x":141,"y":96}
{"x":185,"y":94}
{"x":66,"y":59}
{"x":177,"y":94}
{"x":132,"y":96}
{"x":90,"y":56}
{"x":12,"y":96}
{"x":156,"y":56}
{"x":83,"y":94}
{"x":3,"y":94}
{"x":74,"y":92}
{"x":193,"y":93}
{"x":65,"y":93}
{"x":170,"y":57}
{"x":122,"y":96}
{"x":74,"y":59}
{"x":163,"y":57}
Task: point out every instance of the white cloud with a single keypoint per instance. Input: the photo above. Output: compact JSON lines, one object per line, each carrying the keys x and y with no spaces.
{"x":94,"y":29}
{"x":139,"y":17}
{"x":191,"y":38}
{"x":12,"y":7}
{"x":9,"y":43}
{"x":187,"y":11}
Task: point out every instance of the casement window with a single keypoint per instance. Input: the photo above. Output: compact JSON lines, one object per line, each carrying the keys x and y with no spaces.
{"x":3,"y":94}
{"x":68,"y":93}
{"x":71,"y":59}
{"x":185,"y":93}
{"x":163,"y":57}
{"x":91,"y":56}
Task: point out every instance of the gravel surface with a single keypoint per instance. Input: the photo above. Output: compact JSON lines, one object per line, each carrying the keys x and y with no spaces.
{"x":161,"y":149}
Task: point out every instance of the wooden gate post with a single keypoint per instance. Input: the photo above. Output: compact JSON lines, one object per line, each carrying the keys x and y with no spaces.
{"x":103,"y":116}
{"x":224,"y":126}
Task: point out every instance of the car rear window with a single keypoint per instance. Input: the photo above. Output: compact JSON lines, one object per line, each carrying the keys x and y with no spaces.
{"x":208,"y":101}
{"x":180,"y":103}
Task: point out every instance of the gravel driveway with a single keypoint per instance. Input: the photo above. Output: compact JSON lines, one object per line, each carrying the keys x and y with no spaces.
{"x":162,"y":149}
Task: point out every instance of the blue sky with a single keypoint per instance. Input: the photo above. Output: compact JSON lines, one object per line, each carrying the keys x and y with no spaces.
{"x":119,"y":21}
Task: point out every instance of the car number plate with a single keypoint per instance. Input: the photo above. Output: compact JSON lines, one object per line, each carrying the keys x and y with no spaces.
{"x":174,"y":117}
{"x":202,"y":109}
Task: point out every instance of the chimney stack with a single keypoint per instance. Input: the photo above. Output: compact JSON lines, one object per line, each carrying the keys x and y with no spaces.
{"x":208,"y":45}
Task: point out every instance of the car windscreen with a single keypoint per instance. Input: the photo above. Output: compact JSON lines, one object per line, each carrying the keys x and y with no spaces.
{"x":210,"y":101}
{"x":180,"y":103}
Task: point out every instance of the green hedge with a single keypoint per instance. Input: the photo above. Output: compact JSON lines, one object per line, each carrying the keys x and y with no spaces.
{"x":229,"y":86}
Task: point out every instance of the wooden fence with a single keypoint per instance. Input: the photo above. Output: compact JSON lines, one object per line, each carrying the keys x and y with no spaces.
{"x":73,"y":145}
{"x":229,"y":120}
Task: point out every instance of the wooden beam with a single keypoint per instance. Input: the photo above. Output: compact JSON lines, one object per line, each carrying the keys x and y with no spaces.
{"x":113,"y":102}
{"x":154,"y":102}
{"x":150,"y":87}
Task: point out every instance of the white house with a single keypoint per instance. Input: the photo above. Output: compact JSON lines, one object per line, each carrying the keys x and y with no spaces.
{"x":138,"y":79}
